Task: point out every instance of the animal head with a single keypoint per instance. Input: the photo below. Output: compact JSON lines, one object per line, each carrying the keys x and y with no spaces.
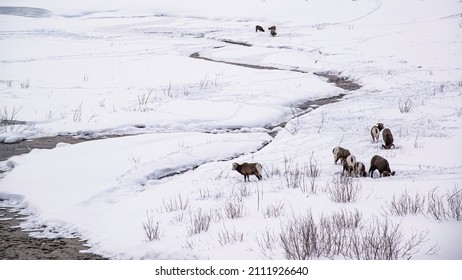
{"x":380,"y":126}
{"x":387,"y":174}
{"x":235,"y":165}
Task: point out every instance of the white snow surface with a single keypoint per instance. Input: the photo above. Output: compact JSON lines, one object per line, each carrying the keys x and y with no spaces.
{"x":125,"y":68}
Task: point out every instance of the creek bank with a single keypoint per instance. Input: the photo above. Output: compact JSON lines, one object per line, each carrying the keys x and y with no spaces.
{"x":16,"y":244}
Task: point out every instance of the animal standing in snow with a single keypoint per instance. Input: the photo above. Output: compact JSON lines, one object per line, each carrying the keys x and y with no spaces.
{"x":388,"y":139}
{"x":375,"y":131}
{"x":273,"y":32}
{"x":360,"y":169}
{"x":349,"y":165}
{"x":340,"y":153}
{"x":382,"y":165}
{"x":259,"y":28}
{"x":272,"y":28}
{"x":248,"y":169}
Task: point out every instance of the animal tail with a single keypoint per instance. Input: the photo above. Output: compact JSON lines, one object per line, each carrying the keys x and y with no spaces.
{"x":259,"y":168}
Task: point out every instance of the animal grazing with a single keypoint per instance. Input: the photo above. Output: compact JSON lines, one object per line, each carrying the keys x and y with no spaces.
{"x":360,"y":169}
{"x":349,"y":164}
{"x":259,"y":28}
{"x":248,"y":169}
{"x":382,"y":165}
{"x":272,"y":28}
{"x":388,"y":139}
{"x":375,"y":131}
{"x":273,"y":32}
{"x":340,"y":153}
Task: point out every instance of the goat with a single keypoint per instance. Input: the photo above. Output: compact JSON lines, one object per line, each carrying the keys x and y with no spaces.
{"x":349,"y":164}
{"x":382,"y":165}
{"x":273,"y":32}
{"x":340,"y":153}
{"x":272,"y":28}
{"x":375,"y":131}
{"x":388,"y":139}
{"x":259,"y":28}
{"x":248,"y":169}
{"x":360,"y":169}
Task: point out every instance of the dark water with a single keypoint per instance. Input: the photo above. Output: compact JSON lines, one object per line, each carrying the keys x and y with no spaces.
{"x":25,"y":12}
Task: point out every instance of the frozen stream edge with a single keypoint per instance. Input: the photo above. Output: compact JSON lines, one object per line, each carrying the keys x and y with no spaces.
{"x":71,"y":248}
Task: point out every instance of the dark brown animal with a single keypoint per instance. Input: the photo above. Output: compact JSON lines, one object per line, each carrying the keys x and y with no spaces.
{"x":273,"y":33}
{"x":388,"y":139}
{"x":259,"y":28}
{"x":349,"y":165}
{"x":272,"y":28}
{"x":340,"y":153}
{"x":248,"y":169}
{"x":375,"y":131}
{"x":382,"y":165}
{"x":360,"y":169}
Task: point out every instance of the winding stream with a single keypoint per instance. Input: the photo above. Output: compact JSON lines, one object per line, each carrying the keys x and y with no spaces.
{"x":17,"y":244}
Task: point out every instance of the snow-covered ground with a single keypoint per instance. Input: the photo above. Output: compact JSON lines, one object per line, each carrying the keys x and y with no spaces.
{"x":91,"y":70}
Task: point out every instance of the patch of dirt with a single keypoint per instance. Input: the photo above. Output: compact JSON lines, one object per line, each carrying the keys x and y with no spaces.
{"x":340,"y":81}
{"x":16,"y":244}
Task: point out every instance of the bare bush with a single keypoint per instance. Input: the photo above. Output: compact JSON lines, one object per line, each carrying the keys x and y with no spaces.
{"x":295,"y":176}
{"x":436,"y":206}
{"x":267,"y":241}
{"x":302,"y":238}
{"x":234,"y":208}
{"x":151,"y":228}
{"x":143,"y":101}
{"x":314,"y":171}
{"x":343,"y":189}
{"x":347,"y":219}
{"x":345,"y":234}
{"x":227,"y":237}
{"x":78,"y":113}
{"x":417,"y":144}
{"x":208,"y":82}
{"x":299,"y":238}
{"x":294,"y":125}
{"x":174,"y":203}
{"x":406,"y":106}
{"x":335,"y":231}
{"x":274,"y":210}
{"x":204,"y":194}
{"x":241,"y":191}
{"x":272,"y":171}
{"x":405,"y":205}
{"x":8,"y":118}
{"x":25,"y":83}
{"x":455,"y":203}
{"x":200,"y":222}
{"x":383,"y":240}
